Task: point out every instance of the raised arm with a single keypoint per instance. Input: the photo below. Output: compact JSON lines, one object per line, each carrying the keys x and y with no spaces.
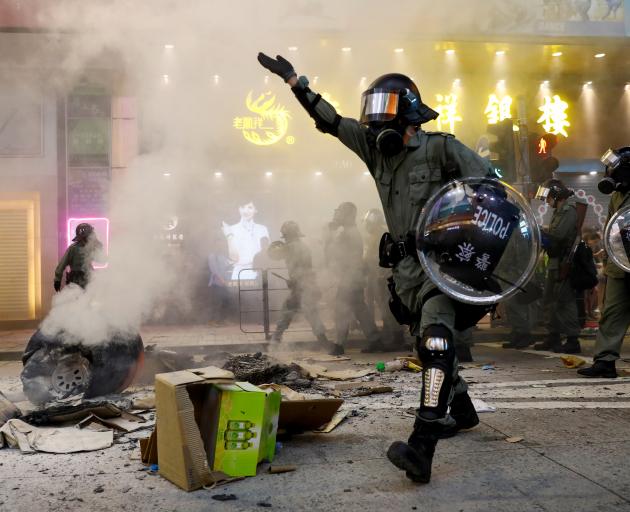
{"x":326,"y":118}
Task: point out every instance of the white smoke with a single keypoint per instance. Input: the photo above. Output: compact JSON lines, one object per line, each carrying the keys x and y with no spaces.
{"x":183,"y":128}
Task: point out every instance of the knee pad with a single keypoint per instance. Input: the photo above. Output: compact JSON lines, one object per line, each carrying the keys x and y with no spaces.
{"x":436,"y":350}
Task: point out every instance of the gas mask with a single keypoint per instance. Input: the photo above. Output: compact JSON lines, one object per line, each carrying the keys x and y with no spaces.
{"x":387,"y":137}
{"x":617,"y":178}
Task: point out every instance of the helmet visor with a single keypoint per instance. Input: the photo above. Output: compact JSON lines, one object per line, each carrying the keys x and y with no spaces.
{"x":611,"y":158}
{"x":542,"y":193}
{"x":379,"y":105}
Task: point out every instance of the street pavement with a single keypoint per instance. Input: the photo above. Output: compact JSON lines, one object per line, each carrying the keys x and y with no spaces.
{"x":572,"y":456}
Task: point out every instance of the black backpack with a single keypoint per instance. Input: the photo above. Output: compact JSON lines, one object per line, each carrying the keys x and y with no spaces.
{"x":583,"y":274}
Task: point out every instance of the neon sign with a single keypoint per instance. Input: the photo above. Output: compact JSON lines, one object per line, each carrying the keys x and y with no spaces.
{"x":447,"y":110}
{"x":554,"y":118}
{"x":269,"y":125}
{"x":498,"y":109}
{"x":101,"y":228}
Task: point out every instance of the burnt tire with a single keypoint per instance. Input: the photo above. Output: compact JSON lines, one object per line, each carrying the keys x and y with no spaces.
{"x":54,"y":370}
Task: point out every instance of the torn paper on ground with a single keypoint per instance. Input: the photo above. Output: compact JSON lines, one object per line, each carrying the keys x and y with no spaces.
{"x":19,"y":434}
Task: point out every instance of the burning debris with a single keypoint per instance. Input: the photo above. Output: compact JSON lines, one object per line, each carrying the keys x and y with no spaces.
{"x":259,"y":369}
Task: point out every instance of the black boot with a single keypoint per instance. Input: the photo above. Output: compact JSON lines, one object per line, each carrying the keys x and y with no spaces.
{"x":463,"y":353}
{"x":571,"y":346}
{"x":518,"y":340}
{"x":464,"y":414}
{"x":416,"y":455}
{"x":600,"y":368}
{"x":334,"y":349}
{"x":551,"y":342}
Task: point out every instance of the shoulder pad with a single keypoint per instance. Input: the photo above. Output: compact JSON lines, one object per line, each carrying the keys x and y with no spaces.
{"x":443,"y":134}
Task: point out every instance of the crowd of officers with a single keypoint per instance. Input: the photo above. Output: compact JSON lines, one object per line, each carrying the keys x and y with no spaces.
{"x":361,"y":285}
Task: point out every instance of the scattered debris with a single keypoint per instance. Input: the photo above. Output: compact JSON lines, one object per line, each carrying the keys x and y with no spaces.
{"x":99,"y":489}
{"x":488,"y":367}
{"x":513,"y":439}
{"x":8,"y":411}
{"x":77,"y":408}
{"x":481,"y":406}
{"x":572,"y":361}
{"x":125,"y":422}
{"x":333,"y":423}
{"x":260,"y":369}
{"x":224,"y":497}
{"x":145,"y":403}
{"x":302,"y":415}
{"x":324,"y":358}
{"x":263,"y":504}
{"x":30,"y":439}
{"x":276,"y":470}
{"x":398,"y":365}
{"x":373,"y":390}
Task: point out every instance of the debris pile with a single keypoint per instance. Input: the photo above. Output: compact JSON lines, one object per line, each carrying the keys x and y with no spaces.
{"x":260,"y":369}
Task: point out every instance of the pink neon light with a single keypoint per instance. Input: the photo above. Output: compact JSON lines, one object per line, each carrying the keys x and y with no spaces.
{"x":99,"y":223}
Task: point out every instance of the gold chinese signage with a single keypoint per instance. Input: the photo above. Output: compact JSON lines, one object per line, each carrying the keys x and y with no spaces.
{"x":498,"y":109}
{"x":268,"y":123}
{"x":554,"y":118}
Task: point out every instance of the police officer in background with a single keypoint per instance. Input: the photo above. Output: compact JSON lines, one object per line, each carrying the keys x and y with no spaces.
{"x":84,"y":250}
{"x":376,"y":292}
{"x":408,"y":166}
{"x":615,"y":318}
{"x":559,"y":297}
{"x":343,"y":248}
{"x":303,"y":291}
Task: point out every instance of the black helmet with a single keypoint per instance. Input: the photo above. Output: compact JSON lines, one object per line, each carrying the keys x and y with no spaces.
{"x":346,"y":213}
{"x":617,"y":162}
{"x":394,"y":95}
{"x":554,"y":189}
{"x":290,"y":230}
{"x":83,"y":231}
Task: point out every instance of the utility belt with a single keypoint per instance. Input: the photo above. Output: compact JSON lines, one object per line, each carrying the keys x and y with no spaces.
{"x":391,"y":252}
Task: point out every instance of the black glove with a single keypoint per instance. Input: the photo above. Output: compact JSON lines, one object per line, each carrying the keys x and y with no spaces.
{"x":57,"y":286}
{"x":279,"y":66}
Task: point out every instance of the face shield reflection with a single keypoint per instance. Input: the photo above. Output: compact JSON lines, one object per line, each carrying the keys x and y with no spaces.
{"x":378,"y":105}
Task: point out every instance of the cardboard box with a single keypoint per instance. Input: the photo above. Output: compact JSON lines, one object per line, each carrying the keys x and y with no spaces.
{"x":246,"y":425}
{"x":196,"y":410}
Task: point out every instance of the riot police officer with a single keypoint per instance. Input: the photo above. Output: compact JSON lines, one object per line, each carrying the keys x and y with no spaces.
{"x":79,"y":257}
{"x":303,"y":290}
{"x":408,"y":166}
{"x":559,"y":297}
{"x":344,"y":254}
{"x":615,"y":319}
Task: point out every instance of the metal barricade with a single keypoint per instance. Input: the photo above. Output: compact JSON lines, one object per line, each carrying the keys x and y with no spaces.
{"x":262,"y":297}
